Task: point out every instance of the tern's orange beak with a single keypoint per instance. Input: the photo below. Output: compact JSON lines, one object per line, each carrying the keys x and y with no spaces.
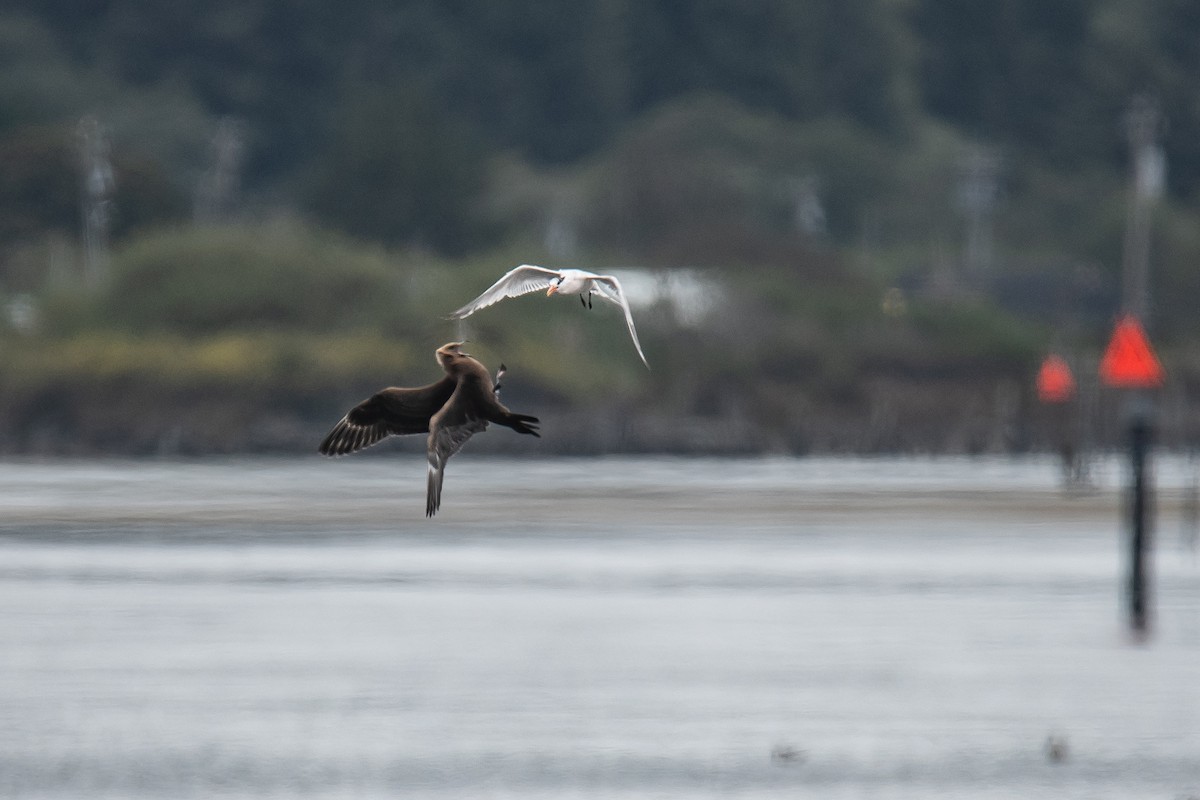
{"x":552,"y":290}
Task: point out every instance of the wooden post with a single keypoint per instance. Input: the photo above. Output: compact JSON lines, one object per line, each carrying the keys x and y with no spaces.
{"x":1139,"y":591}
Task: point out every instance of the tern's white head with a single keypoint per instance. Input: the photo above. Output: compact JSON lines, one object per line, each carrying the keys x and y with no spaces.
{"x":570,"y":281}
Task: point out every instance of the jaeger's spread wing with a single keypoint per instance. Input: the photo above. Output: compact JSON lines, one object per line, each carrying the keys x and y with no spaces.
{"x":390,"y":412}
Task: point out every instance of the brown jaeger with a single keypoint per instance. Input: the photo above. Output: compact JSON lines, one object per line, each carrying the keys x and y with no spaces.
{"x":451,"y":411}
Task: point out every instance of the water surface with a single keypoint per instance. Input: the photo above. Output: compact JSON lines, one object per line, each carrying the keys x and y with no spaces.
{"x":635,"y":628}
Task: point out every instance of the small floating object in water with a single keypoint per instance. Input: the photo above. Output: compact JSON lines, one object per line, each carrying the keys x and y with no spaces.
{"x":786,"y":754}
{"x":1056,"y":749}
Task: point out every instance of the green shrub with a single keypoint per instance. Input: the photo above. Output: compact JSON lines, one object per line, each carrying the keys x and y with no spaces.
{"x":274,"y":277}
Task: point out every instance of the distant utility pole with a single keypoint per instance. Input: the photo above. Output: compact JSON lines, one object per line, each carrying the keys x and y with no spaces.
{"x":1149,"y":176}
{"x":978,"y":189}
{"x":561,"y":238}
{"x":808,"y":213}
{"x":96,"y":191}
{"x":217,"y":194}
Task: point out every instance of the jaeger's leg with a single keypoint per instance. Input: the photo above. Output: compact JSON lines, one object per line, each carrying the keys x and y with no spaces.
{"x":582,"y":302}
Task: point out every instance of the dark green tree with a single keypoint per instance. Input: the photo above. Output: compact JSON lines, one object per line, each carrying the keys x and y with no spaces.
{"x":40,"y":187}
{"x":802,"y":59}
{"x":399,"y":170}
{"x":1010,"y":71}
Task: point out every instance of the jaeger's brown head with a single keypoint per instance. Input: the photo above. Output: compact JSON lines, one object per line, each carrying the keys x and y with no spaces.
{"x":450,"y":354}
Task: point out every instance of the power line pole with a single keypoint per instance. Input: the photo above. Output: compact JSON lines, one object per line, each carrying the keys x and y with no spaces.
{"x":96,"y":191}
{"x":978,"y":191}
{"x":1142,"y":123}
{"x":217,"y":194}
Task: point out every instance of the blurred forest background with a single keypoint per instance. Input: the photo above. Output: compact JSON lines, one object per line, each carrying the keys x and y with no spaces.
{"x":846,"y":225}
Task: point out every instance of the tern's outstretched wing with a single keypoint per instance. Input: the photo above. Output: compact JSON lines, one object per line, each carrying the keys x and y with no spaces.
{"x":390,"y":412}
{"x":516,"y":282}
{"x":610,"y":289}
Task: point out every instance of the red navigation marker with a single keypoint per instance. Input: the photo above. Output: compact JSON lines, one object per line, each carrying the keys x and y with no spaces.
{"x":1129,"y":362}
{"x":1055,"y":383}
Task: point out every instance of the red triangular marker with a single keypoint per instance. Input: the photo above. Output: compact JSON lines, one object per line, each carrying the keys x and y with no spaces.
{"x":1129,"y":362}
{"x":1055,"y":383}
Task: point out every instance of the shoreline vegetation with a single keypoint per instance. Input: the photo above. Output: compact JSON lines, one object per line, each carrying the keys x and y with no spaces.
{"x":254,"y":339}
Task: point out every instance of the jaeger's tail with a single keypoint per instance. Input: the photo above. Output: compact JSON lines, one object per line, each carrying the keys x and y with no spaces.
{"x":521,"y":423}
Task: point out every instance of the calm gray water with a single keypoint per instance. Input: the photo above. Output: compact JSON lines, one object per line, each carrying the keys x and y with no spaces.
{"x":626,"y":628}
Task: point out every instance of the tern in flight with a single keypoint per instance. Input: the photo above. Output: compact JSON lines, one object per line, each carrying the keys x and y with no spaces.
{"x":451,"y":411}
{"x":529,"y":278}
